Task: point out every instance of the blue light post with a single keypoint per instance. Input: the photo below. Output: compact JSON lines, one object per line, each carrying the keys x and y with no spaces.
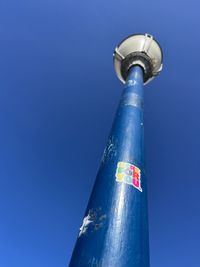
{"x":114,"y":232}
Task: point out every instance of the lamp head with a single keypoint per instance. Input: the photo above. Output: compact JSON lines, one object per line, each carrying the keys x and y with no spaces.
{"x":138,"y":49}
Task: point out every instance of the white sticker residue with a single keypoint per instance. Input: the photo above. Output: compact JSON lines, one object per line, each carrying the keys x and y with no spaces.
{"x":86,"y":221}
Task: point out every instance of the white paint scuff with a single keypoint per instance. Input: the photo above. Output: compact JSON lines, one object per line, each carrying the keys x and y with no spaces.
{"x":86,"y":221}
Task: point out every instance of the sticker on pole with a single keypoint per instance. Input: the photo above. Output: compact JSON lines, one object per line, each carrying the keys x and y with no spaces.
{"x":129,"y":174}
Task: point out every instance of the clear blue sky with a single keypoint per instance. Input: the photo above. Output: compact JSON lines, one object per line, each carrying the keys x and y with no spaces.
{"x":58,"y":96}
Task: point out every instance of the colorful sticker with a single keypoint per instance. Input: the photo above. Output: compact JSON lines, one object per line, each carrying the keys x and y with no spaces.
{"x":129,"y":174}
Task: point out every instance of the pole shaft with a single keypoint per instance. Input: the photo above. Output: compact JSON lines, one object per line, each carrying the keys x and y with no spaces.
{"x":114,"y":232}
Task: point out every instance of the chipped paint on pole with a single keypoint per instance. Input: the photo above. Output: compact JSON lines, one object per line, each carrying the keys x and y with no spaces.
{"x":114,"y":231}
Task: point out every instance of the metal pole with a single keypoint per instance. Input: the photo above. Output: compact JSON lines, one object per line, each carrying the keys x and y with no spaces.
{"x":115,"y":227}
{"x":114,"y":231}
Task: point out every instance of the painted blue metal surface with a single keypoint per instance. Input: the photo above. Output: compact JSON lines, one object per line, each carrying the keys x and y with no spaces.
{"x":114,"y":232}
